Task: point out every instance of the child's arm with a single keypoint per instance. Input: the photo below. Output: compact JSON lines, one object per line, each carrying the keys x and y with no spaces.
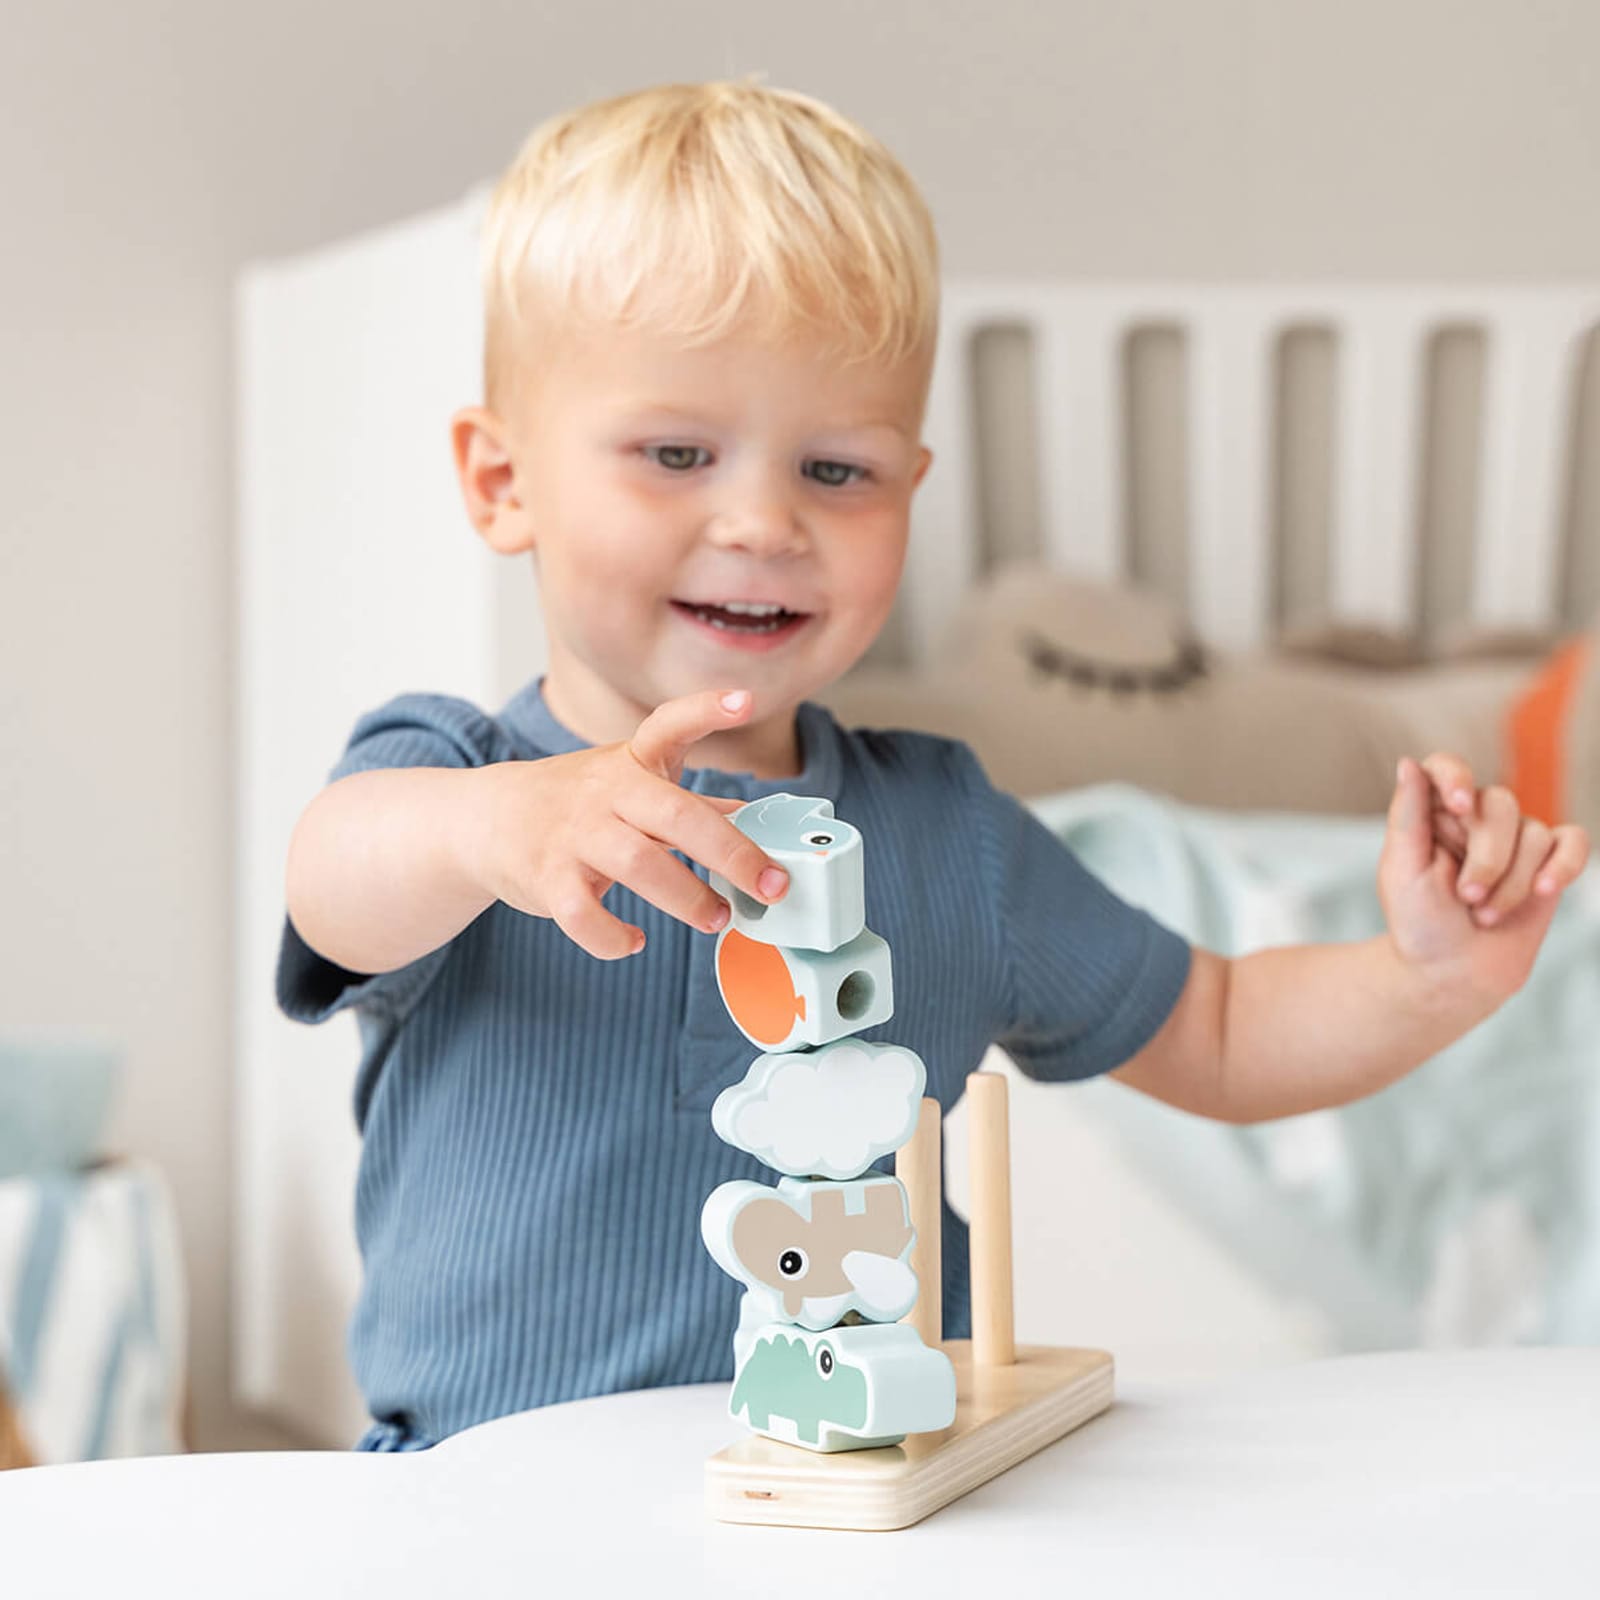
{"x":385,"y":866}
{"x":1468,"y":889}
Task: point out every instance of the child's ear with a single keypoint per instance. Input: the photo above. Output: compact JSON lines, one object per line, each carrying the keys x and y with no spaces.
{"x":490,"y":487}
{"x":924,"y":461}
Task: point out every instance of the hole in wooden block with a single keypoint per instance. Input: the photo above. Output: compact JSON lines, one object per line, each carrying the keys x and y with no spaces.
{"x":855,"y":995}
{"x":751,"y":909}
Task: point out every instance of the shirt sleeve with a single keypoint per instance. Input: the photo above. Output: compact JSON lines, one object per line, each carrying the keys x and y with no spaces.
{"x":413,"y":730}
{"x":1087,"y":979}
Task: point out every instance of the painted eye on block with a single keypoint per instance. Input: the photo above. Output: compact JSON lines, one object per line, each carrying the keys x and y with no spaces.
{"x":825,"y":1361}
{"x":793,"y":1263}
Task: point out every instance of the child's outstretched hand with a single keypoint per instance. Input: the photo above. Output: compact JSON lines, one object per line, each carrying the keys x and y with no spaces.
{"x":1469,"y":884}
{"x":553,"y":835}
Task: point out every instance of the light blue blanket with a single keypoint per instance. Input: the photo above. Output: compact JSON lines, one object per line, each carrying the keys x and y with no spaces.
{"x":1459,"y":1206}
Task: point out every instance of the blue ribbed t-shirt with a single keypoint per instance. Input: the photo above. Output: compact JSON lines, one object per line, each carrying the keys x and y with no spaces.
{"x":536,"y":1123}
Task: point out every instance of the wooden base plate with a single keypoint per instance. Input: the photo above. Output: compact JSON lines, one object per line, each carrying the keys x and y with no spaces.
{"x":1003,"y":1416}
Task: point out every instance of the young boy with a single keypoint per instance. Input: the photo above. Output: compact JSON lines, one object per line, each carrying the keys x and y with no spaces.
{"x":711,"y":314}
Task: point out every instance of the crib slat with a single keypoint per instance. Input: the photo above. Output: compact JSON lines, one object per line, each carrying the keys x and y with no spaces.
{"x":942,"y":560}
{"x":1079,"y":365}
{"x":1230,"y":542}
{"x":1530,"y":368}
{"x":1373,"y":562}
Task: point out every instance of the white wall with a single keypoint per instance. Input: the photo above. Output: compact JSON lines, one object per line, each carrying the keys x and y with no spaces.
{"x":147,"y":149}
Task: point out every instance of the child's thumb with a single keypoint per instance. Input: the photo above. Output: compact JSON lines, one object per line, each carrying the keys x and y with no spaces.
{"x":1408,"y":843}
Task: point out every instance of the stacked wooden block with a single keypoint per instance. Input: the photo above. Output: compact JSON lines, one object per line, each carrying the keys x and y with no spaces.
{"x":821,"y":1357}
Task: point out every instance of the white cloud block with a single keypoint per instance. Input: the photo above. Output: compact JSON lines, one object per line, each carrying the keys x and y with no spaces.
{"x":827,"y":1113}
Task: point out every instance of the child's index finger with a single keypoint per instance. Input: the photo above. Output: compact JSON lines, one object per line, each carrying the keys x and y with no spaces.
{"x":702,"y":828}
{"x":661,"y":741}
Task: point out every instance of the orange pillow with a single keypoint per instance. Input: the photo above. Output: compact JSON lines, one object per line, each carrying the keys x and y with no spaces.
{"x":1537,"y":732}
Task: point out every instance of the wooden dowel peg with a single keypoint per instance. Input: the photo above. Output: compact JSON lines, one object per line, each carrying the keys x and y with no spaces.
{"x":918,"y":1164}
{"x":989,"y":1164}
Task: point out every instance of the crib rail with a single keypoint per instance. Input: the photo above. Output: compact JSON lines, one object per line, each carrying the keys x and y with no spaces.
{"x":1534,"y":344}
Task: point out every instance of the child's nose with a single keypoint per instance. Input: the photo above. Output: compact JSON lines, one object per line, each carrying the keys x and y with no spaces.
{"x":763,"y":521}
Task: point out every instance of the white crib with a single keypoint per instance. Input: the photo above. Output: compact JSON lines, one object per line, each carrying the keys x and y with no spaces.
{"x":349,"y":362}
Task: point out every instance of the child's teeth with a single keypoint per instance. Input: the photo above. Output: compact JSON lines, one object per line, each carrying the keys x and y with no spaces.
{"x":762,"y":625}
{"x":743,"y":616}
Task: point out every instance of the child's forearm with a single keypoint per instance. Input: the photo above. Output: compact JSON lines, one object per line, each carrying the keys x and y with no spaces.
{"x":1468,"y":888}
{"x":377,"y":871}
{"x":1310,"y":1026}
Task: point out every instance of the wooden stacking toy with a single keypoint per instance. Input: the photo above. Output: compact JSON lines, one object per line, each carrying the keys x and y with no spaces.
{"x":827,"y":1251}
{"x":838,"y":1349}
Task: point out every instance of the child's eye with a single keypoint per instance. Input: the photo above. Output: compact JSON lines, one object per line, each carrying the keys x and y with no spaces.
{"x":836,"y":474}
{"x":676,"y":457}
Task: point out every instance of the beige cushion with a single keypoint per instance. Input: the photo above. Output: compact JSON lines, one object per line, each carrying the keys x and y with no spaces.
{"x":1057,"y":682}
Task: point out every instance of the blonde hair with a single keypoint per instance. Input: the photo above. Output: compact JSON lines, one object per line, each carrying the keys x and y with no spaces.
{"x":687,"y":210}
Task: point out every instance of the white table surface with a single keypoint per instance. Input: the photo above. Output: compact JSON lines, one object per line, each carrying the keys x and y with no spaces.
{"x":1406,"y":1474}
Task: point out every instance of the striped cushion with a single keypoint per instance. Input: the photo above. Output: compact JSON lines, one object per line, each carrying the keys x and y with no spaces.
{"x":92,"y":1313}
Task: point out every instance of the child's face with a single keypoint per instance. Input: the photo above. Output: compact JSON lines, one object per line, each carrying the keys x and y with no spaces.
{"x":658,"y":485}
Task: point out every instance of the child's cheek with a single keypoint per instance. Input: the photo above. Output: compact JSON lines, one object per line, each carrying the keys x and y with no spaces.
{"x":624,"y":527}
{"x":879,"y":552}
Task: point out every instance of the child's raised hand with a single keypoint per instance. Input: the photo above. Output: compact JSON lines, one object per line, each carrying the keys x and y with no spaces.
{"x":1468,"y":883}
{"x":553,"y":835}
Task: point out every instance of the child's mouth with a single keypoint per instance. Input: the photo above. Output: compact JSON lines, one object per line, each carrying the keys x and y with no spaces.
{"x":746,"y":624}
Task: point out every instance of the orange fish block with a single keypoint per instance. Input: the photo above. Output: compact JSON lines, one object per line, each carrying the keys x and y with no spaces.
{"x":783,"y":998}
